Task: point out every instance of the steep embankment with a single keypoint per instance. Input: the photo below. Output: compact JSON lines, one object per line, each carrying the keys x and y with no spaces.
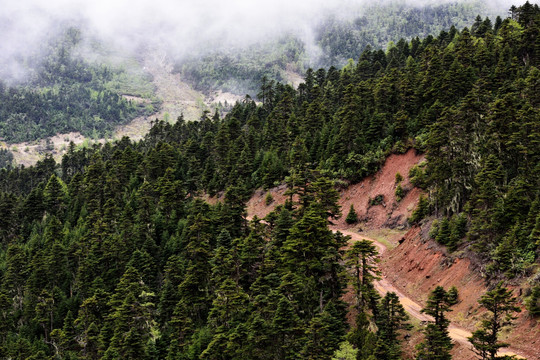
{"x":412,"y":267}
{"x":418,"y":265}
{"x":388,"y":214}
{"x":460,"y":276}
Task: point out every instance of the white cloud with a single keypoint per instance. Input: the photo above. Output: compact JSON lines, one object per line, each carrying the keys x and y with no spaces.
{"x":180,"y":26}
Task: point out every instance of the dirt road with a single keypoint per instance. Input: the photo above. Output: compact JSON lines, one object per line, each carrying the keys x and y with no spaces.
{"x":383,"y":286}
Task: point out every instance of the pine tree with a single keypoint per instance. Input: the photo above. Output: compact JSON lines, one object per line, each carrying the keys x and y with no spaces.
{"x":362,"y":337}
{"x":326,"y":197}
{"x":311,"y":251}
{"x":54,"y":195}
{"x":352,"y":217}
{"x":502,"y":306}
{"x":44,"y":313}
{"x":14,"y":276}
{"x":533,"y":301}
{"x":362,"y":259}
{"x":443,"y":236}
{"x":322,"y":335}
{"x":421,"y":210}
{"x":286,"y":328}
{"x":437,"y":343}
{"x":391,"y":319}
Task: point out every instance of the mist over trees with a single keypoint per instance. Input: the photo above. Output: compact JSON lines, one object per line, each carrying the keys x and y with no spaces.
{"x":72,"y":80}
{"x":65,"y":93}
{"x":111,"y":253}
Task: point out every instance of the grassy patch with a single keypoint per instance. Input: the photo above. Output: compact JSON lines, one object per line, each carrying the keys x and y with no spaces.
{"x":387,"y":237}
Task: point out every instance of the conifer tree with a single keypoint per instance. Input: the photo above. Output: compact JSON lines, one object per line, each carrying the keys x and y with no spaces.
{"x":361,"y":336}
{"x":391,"y":319}
{"x":286,"y":328}
{"x":437,"y":343}
{"x":502,"y":306}
{"x":443,"y":236}
{"x":362,"y":259}
{"x":322,"y":335}
{"x":54,"y":195}
{"x":352,"y":217}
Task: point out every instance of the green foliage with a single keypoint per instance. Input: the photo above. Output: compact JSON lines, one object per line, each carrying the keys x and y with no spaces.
{"x":345,"y":352}
{"x":377,"y":200}
{"x":502,"y":306}
{"x":532,"y":301}
{"x":421,"y":211}
{"x":6,"y":158}
{"x":434,"y":230}
{"x":380,"y":24}
{"x":417,"y":176}
{"x":362,"y":337}
{"x":437,"y":343}
{"x":68,"y":93}
{"x":391,"y":320}
{"x":268,"y":199}
{"x":399,"y":193}
{"x":352,"y":217}
{"x":241,"y":71}
{"x":443,"y":235}
{"x":362,"y":258}
{"x":458,"y":230}
{"x":113,"y":247}
{"x":452,"y":296}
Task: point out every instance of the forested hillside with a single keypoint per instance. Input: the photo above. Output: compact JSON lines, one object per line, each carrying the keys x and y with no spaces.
{"x":64,"y":92}
{"x":335,"y":40}
{"x":380,"y":24}
{"x":112,"y":255}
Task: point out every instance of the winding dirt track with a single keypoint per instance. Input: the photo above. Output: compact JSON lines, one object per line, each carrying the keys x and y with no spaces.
{"x":383,"y":286}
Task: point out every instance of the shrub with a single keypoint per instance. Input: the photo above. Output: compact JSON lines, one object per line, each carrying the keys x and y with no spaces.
{"x":452,"y":295}
{"x":458,"y":229}
{"x":443,"y":236}
{"x":399,"y":193}
{"x":417,"y":176}
{"x":434,"y":229}
{"x":268,"y":199}
{"x":378,"y":200}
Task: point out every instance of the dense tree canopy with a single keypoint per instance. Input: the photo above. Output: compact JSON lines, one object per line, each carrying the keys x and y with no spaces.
{"x":64,"y":93}
{"x":114,"y":248}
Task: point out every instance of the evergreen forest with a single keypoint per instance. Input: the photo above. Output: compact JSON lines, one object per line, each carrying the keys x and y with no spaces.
{"x":336,"y":39}
{"x":64,"y":93}
{"x":112,"y":253}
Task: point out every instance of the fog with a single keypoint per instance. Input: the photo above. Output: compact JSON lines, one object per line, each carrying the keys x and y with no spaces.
{"x":181,"y":27}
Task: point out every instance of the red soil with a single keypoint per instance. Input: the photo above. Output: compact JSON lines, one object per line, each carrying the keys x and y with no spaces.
{"x":416,"y":266}
{"x":389,"y":214}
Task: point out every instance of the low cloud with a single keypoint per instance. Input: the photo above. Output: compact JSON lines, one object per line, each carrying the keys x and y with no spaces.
{"x":179,"y":27}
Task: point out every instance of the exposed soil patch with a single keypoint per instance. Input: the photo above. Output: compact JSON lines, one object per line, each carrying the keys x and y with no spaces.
{"x":256,"y":206}
{"x":389,"y":213}
{"x":225,"y":98}
{"x":412,"y":267}
{"x":417,"y":266}
{"x":292,"y":77}
{"x":177,"y":97}
{"x":136,"y":99}
{"x":28,"y":153}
